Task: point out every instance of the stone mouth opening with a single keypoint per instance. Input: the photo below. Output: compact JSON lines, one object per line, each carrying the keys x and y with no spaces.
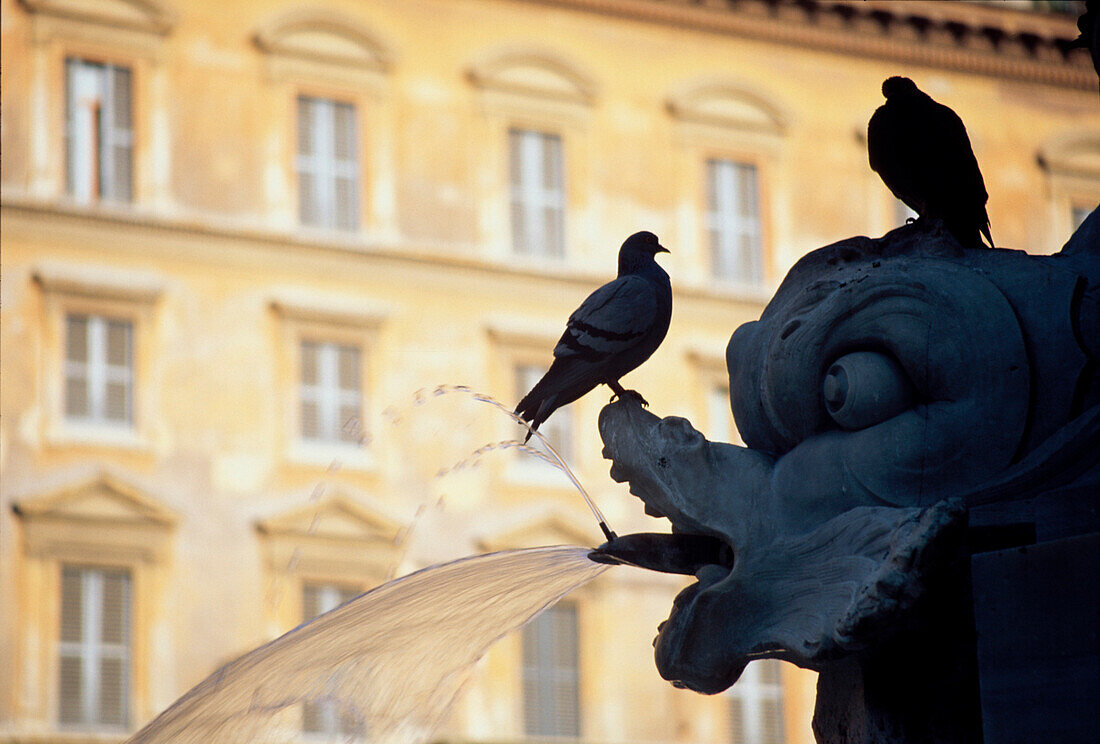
{"x":676,"y":552}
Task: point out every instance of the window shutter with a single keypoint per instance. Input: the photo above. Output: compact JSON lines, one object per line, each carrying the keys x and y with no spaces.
{"x":324,"y":717}
{"x":311,"y":606}
{"x":350,"y":423}
{"x":733,"y":220}
{"x":119,"y":383}
{"x":555,"y":195}
{"x":756,"y":705}
{"x":77,"y":403}
{"x":117,"y":166}
{"x":95,"y":646}
{"x":771,"y":714}
{"x":737,"y":722}
{"x":309,"y":208}
{"x":550,"y":673}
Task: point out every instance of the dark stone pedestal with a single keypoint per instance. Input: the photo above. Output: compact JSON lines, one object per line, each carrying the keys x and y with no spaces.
{"x":1037,"y":610}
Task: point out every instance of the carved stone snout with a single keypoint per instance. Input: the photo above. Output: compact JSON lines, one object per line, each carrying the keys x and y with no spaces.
{"x":801,"y":595}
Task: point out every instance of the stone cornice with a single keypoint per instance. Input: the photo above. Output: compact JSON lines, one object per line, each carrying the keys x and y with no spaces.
{"x":958,"y":36}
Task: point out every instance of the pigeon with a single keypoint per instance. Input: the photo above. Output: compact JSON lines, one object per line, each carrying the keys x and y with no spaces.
{"x":613,"y":331}
{"x":920,"y":149}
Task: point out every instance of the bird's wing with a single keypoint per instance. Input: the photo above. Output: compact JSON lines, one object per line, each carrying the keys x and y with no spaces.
{"x":613,"y":319}
{"x":954,"y":144}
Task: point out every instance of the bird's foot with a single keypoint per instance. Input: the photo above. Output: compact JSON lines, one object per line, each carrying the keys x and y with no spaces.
{"x":629,"y":394}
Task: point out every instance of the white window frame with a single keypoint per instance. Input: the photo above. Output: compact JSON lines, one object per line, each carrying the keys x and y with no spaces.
{"x":98,"y":372}
{"x":91,"y":649}
{"x":113,"y":294}
{"x":91,"y":135}
{"x":728,"y":229}
{"x":749,"y":693}
{"x":532,"y":196}
{"x":325,"y":166}
{"x":546,"y":676}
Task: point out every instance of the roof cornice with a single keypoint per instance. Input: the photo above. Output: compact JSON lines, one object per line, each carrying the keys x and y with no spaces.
{"x":964,"y":37}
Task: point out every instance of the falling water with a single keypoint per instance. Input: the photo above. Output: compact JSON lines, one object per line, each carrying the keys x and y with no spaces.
{"x":389,"y":663}
{"x":551,"y":455}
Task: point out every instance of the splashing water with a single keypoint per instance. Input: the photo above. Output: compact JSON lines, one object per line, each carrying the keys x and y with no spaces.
{"x":389,"y":663}
{"x":551,"y":455}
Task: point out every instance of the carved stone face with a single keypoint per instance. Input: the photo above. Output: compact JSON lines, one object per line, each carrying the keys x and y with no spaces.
{"x":874,"y":393}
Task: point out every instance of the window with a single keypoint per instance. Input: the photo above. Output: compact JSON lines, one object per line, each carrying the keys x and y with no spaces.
{"x":756,"y":705}
{"x":331,"y":393}
{"x":98,"y":131}
{"x":328,"y":169}
{"x":99,"y":370}
{"x":1078,"y":214}
{"x":902,"y":212}
{"x":558,"y":429}
{"x":551,"y":701}
{"x":95,"y":647}
{"x":324,"y":717}
{"x":538,"y":193}
{"x":733,"y":221}
{"x":719,"y":418}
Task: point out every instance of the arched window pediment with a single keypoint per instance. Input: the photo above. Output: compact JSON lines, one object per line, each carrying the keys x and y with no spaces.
{"x":536,"y":73}
{"x":730,"y":105}
{"x":143,"y":15}
{"x":321,"y":36}
{"x":1076,"y":155}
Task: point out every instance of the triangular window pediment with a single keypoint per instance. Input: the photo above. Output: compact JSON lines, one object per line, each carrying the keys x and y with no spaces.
{"x":102,"y":498}
{"x":554,"y":528}
{"x":337,"y":518}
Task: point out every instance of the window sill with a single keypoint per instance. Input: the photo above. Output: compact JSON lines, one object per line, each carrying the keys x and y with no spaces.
{"x":70,"y":433}
{"x":331,"y":455}
{"x":66,"y":736}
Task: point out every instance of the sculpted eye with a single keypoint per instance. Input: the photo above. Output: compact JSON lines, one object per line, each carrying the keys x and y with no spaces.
{"x":865,"y":388}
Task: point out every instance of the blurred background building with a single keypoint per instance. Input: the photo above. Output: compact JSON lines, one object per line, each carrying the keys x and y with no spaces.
{"x":239,"y":235}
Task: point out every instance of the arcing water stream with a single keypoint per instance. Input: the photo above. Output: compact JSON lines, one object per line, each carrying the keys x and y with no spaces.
{"x":389,"y":662}
{"x":387,"y":665}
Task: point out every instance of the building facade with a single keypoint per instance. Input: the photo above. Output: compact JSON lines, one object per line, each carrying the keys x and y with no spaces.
{"x":238,"y":237}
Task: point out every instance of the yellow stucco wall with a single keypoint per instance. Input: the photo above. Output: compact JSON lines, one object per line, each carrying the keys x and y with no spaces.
{"x":430,"y":289}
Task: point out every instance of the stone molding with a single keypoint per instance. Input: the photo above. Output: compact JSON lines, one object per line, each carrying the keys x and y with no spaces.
{"x":323,"y":36}
{"x":151,"y":16}
{"x":131,"y":525}
{"x":338,"y":536}
{"x":534,"y":72}
{"x":963,"y":37}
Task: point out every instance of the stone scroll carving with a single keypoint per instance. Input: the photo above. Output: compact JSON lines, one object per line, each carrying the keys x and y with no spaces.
{"x":891,"y":391}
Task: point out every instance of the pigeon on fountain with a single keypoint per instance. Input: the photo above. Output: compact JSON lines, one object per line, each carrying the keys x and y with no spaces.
{"x":613,"y":331}
{"x":922,"y":152}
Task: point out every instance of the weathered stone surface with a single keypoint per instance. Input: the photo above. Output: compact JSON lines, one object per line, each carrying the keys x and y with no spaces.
{"x":892,"y":389}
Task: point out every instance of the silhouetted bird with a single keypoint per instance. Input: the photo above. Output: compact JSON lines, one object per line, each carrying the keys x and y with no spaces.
{"x":613,"y":331}
{"x":921,"y":151}
{"x":1089,"y":25}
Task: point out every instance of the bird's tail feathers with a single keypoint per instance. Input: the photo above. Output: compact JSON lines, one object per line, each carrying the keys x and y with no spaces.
{"x":534,"y":409}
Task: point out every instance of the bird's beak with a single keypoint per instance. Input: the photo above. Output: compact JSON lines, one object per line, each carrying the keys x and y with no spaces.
{"x":661,"y":249}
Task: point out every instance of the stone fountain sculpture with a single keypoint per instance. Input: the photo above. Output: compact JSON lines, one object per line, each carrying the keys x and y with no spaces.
{"x":917,"y":416}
